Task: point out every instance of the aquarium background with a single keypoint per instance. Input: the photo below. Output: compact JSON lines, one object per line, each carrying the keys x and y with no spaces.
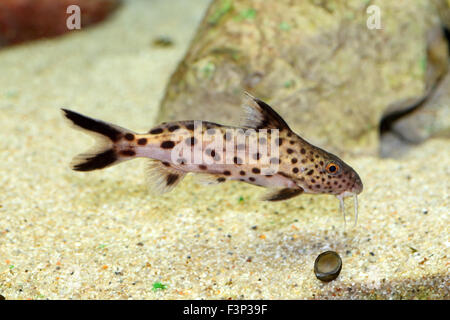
{"x":376,"y":97}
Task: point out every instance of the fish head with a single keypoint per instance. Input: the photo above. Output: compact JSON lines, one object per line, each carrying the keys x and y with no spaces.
{"x":344,"y":180}
{"x":327,"y":173}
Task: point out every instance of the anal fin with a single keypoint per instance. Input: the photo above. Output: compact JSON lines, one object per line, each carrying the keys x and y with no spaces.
{"x":281,"y":194}
{"x":162,"y":176}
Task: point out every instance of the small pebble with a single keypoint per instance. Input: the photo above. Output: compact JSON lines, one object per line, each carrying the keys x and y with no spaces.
{"x":327,"y":266}
{"x":162,"y":41}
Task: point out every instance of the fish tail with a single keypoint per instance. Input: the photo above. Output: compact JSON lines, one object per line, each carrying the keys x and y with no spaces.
{"x":106,"y":152}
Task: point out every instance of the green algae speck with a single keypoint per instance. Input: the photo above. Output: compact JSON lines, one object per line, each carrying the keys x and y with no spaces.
{"x":285,"y":26}
{"x":248,"y":14}
{"x":159,"y":285}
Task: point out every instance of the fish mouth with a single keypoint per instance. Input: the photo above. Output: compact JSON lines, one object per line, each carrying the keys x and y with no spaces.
{"x":341,"y":197}
{"x":357,"y":187}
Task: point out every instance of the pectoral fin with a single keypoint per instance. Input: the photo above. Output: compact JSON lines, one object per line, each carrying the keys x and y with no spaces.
{"x":281,"y":194}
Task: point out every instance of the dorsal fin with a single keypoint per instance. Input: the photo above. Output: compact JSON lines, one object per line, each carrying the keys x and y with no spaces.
{"x":259,"y":115}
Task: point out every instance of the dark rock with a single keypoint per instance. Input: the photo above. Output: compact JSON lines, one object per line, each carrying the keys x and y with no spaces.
{"x":26,"y":20}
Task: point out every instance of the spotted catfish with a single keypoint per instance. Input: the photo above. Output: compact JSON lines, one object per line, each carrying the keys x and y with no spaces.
{"x":263,"y":151}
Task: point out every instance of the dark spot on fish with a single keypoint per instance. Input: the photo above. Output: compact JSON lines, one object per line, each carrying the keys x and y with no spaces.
{"x":295,"y":170}
{"x":237,"y":160}
{"x":167,"y":144}
{"x":171,"y":179}
{"x":142,"y":141}
{"x":181,"y":161}
{"x":289,"y":150}
{"x":128,"y":153}
{"x":257,"y":156}
{"x":294,"y":160}
{"x":156,"y":131}
{"x":289,"y":134}
{"x":173,"y":128}
{"x":256,"y":170}
{"x":312,"y":180}
{"x":242,"y":173}
{"x":304,"y":160}
{"x":321,"y":163}
{"x":221,"y":179}
{"x":302,"y":151}
{"x":310,"y":172}
{"x":129,"y":136}
{"x":291,"y":142}
{"x":203,"y":167}
{"x":227,"y":136}
{"x":191,"y":141}
{"x":227,"y":173}
{"x":190,"y":126}
{"x":279,"y":141}
{"x":251,"y":179}
{"x":210,"y":152}
{"x":318,"y":186}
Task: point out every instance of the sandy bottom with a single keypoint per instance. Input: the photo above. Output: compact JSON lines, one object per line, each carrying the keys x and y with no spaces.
{"x":103,"y":235}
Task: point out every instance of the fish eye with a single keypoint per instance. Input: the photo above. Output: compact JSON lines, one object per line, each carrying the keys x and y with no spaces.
{"x":332,"y":168}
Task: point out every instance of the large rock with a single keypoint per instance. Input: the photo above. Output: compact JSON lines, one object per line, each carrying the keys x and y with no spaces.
{"x":411,"y":121}
{"x":316,"y":62}
{"x":24,"y":20}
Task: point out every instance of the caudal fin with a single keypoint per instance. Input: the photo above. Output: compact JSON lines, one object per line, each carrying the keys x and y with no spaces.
{"x":104,"y":154}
